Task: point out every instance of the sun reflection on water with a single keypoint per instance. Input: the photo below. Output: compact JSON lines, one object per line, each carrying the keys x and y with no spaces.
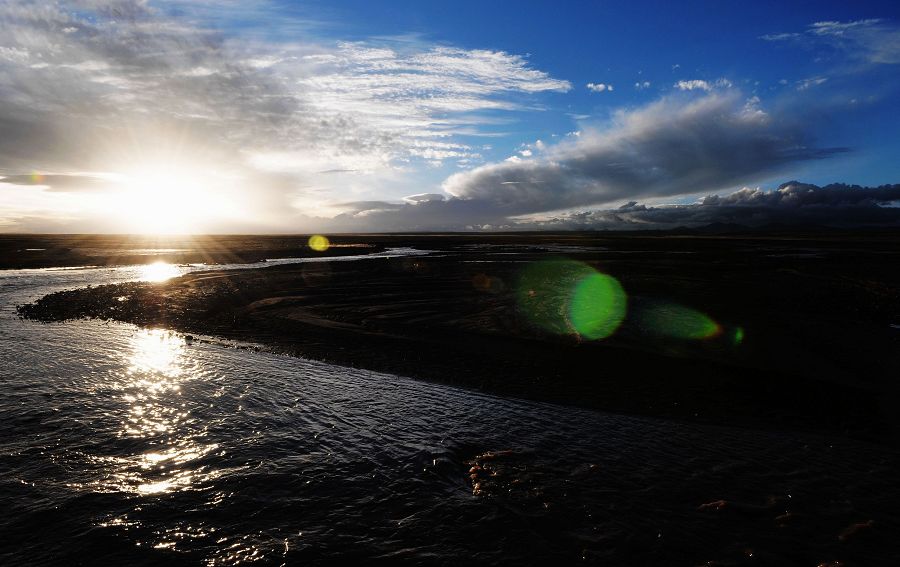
{"x":166,"y":448}
{"x":159,"y":271}
{"x":155,"y":355}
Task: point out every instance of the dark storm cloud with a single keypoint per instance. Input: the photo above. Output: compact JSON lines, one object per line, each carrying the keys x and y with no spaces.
{"x":793,"y":203}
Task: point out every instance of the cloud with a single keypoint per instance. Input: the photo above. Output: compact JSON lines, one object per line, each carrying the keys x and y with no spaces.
{"x":680,"y":145}
{"x":794,"y":194}
{"x":672,"y":147}
{"x":804,"y":84}
{"x":779,"y":36}
{"x":698,"y":84}
{"x":875,"y":41}
{"x":423,"y":198}
{"x":599,"y":87}
{"x":114,"y":86}
{"x":642,"y":85}
{"x":434,"y":215}
{"x":62,"y":183}
{"x":792,"y":204}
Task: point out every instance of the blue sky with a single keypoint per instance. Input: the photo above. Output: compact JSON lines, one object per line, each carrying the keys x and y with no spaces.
{"x":625,"y":43}
{"x":296,"y":116}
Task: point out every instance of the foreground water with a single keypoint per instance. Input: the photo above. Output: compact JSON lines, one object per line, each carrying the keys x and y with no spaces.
{"x":127,"y":446}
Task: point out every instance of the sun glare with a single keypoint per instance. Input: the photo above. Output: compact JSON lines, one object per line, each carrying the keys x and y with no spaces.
{"x":159,"y":271}
{"x":170,"y":200}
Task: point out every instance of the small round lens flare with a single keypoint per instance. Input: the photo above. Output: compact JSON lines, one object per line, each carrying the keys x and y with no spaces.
{"x":679,"y":322}
{"x":319,"y":243}
{"x":571,"y":298}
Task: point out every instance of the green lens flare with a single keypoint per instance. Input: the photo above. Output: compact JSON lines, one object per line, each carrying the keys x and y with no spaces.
{"x":679,"y":322}
{"x":738,"y":336}
{"x":571,"y":298}
{"x":597,"y":307}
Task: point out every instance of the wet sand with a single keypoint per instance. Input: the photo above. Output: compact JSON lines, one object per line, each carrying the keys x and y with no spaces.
{"x":805,"y":336}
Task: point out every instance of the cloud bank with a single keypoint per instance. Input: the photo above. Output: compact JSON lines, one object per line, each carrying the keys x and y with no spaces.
{"x":792,"y":204}
{"x":672,"y":147}
{"x":680,"y":145}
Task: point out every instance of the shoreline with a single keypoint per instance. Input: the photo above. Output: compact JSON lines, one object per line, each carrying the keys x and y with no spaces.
{"x":453,"y":318}
{"x":66,"y":251}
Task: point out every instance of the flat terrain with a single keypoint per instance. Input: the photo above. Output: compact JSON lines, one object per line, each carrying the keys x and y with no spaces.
{"x":774,"y":331}
{"x":51,"y":250}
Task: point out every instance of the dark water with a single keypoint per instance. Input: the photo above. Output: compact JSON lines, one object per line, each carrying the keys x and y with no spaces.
{"x":133,"y":447}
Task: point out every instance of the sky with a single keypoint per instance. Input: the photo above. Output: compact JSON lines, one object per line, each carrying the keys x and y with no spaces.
{"x":233,"y":116}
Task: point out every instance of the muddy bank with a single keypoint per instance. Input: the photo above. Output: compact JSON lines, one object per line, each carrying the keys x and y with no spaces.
{"x":800,"y":335}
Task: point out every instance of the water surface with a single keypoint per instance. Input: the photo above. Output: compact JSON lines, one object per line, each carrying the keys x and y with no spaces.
{"x":131,"y":446}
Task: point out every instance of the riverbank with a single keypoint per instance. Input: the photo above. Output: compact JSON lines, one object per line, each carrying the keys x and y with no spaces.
{"x":18,"y":251}
{"x":800,"y":334}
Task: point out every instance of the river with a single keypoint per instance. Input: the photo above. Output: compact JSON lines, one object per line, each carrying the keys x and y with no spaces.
{"x":121,"y":445}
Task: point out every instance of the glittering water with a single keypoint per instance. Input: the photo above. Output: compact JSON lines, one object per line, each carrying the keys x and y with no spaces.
{"x":127,"y":446}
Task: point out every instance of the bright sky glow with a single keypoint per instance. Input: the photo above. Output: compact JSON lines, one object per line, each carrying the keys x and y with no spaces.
{"x":167,"y":199}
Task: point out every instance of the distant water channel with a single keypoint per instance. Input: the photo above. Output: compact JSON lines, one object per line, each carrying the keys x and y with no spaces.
{"x":127,"y":446}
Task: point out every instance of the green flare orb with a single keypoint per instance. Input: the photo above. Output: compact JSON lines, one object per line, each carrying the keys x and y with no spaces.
{"x":568,"y":297}
{"x":679,"y":322}
{"x":598,"y":306}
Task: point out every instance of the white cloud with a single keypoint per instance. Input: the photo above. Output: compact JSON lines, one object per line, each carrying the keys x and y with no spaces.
{"x":423,"y":198}
{"x":599,"y":87}
{"x":779,"y":36}
{"x":832,"y":28}
{"x":86,"y":87}
{"x":641,"y":85}
{"x":804,"y":84}
{"x":699,"y":84}
{"x":874,"y":41}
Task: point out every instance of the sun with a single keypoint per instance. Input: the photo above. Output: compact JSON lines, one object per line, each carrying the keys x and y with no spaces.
{"x":169,"y":199}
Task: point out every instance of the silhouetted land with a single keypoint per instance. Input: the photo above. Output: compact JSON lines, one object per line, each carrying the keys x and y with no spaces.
{"x":54,"y":250}
{"x":808,"y":322}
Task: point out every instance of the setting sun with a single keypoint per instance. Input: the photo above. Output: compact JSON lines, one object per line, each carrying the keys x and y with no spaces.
{"x":170,"y":199}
